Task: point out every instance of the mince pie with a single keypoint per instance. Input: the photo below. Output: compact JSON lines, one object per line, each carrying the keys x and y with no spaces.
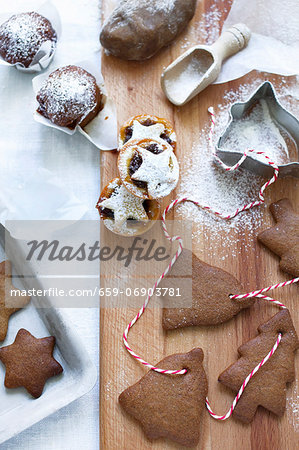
{"x":69,"y":97}
{"x":147,"y":127}
{"x":22,"y":36}
{"x":123,"y":213}
{"x":148,"y":168}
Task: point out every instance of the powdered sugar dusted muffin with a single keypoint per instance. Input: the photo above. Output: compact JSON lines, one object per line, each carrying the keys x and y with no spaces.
{"x":148,"y":168}
{"x":123,"y":213}
{"x":69,"y":97}
{"x":22,"y":35}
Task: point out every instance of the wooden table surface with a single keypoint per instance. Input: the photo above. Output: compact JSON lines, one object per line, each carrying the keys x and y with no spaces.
{"x":135,"y":89}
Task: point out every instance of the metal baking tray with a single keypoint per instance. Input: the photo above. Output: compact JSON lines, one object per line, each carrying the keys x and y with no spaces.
{"x":18,"y":410}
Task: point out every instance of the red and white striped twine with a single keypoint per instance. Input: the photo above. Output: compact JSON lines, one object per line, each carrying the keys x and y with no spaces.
{"x":244,"y":384}
{"x":257,"y":294}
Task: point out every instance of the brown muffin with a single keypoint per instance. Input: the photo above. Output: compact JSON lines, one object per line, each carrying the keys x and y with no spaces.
{"x":69,"y":97}
{"x":22,"y":35}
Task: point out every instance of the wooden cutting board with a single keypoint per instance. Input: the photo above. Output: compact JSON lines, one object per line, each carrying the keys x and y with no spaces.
{"x":135,"y":89}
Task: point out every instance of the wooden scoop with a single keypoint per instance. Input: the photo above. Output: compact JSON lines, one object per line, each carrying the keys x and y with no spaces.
{"x":199,"y":66}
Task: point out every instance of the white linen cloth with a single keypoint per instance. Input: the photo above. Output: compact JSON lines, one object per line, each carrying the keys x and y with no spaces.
{"x":26,"y":149}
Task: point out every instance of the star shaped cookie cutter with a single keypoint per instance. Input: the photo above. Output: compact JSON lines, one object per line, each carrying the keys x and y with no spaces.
{"x":281,"y":116}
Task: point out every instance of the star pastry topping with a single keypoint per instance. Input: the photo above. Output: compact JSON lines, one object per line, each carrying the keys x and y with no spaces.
{"x":159,"y":171}
{"x":143,"y":132}
{"x":8,"y":304}
{"x":124,"y":206}
{"x":29,"y":362}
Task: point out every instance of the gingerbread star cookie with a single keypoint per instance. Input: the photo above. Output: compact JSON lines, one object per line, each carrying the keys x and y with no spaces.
{"x":8,"y":303}
{"x":267,"y":387}
{"x":283,"y":238}
{"x":211,"y":288}
{"x":170,"y":406}
{"x":29,"y":362}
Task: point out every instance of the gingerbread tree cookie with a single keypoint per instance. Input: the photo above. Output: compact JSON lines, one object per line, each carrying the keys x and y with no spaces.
{"x":211,"y":287}
{"x":29,"y":362}
{"x":8,"y":303}
{"x":170,"y":406}
{"x":267,"y":387}
{"x":283,"y":238}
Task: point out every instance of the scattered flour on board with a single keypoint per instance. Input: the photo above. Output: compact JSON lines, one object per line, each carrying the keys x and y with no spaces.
{"x":205,"y":181}
{"x":293,"y":408}
{"x":207,"y":29}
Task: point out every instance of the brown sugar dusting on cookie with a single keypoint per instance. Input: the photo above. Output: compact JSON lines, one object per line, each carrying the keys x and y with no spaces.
{"x":170,"y":406}
{"x":29,"y":362}
{"x":69,"y":97}
{"x":22,"y":35}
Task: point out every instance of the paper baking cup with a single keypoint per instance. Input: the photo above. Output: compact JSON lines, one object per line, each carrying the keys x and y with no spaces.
{"x":102,"y":130}
{"x":46,"y":52}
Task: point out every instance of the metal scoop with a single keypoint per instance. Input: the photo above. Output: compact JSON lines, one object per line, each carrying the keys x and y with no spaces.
{"x":199,"y":66}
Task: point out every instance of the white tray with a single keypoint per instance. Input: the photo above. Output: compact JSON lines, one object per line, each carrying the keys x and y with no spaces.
{"x":18,"y":410}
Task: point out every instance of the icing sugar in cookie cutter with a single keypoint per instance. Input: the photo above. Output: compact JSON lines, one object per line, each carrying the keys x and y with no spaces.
{"x":284,"y":120}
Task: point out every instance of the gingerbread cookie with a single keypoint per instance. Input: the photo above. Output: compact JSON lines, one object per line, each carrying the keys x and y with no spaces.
{"x":211,"y":287}
{"x":267,"y":387}
{"x":29,"y":362}
{"x":170,"y":406}
{"x":8,"y":303}
{"x":283,"y":238}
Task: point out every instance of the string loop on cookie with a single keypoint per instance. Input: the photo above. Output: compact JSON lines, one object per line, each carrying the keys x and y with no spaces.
{"x":244,"y":384}
{"x":179,"y":239}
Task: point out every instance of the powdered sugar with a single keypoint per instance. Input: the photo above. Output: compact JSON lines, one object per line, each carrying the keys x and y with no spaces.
{"x":258,"y":130}
{"x":189,"y":77}
{"x":152,"y":7}
{"x":68,"y":92}
{"x":124,"y":206}
{"x":293,"y":407}
{"x":159,"y":171}
{"x":22,"y":36}
{"x":206,"y":182}
{"x":207,"y":30}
